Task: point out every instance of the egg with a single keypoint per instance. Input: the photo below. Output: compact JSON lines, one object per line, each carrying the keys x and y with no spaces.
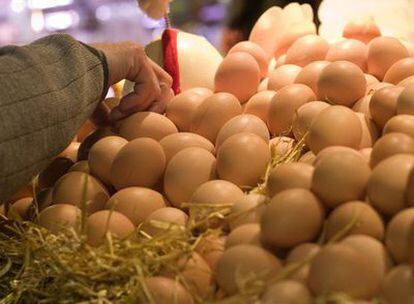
{"x":366,"y":154}
{"x":334,"y":126}
{"x":55,"y":170}
{"x":292,"y":217}
{"x":91,"y":139}
{"x":307,"y":158}
{"x":284,"y":105}
{"x":397,"y":286}
{"x":341,"y":83}
{"x":403,"y":123}
{"x":146,"y":124}
{"x":281,"y":145}
{"x":383,"y":104}
{"x":371,"y":80}
{"x":174,"y":143}
{"x":242,"y":261}
{"x":213,"y":113}
{"x":242,"y":159}
{"x":242,"y":123}
{"x":262,"y":87}
{"x":187,"y":170}
{"x":57,"y":216}
{"x":201,"y":91}
{"x":286,"y":291}
{"x":244,"y":234}
{"x":141,"y":162}
{"x":106,"y":221}
{"x":340,"y":168}
{"x":102,"y":154}
{"x":387,"y":184}
{"x":278,"y":62}
{"x":211,"y":248}
{"x":256,"y":51}
{"x":304,"y":116}
{"x":136,"y":203}
{"x":362,"y":29}
{"x":288,"y":176}
{"x":405,"y":101}
{"x":259,"y":103}
{"x":247,"y":210}
{"x":362,"y":105}
{"x":307,"y":49}
{"x":282,"y":76}
{"x":81,"y":166}
{"x":77,"y":188}
{"x":370,"y":132}
{"x":299,"y":255}
{"x":350,"y":50}
{"x":372,"y":88}
{"x":165,"y":291}
{"x":391,"y":144}
{"x":383,"y":52}
{"x":334,"y":150}
{"x":169,"y":216}
{"x":71,"y":151}
{"x":400,"y":70}
{"x":238,"y":74}
{"x":406,"y":82}
{"x":309,"y":75}
{"x":20,"y":210}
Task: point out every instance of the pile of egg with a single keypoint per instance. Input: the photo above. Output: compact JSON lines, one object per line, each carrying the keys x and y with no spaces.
{"x":342,"y":214}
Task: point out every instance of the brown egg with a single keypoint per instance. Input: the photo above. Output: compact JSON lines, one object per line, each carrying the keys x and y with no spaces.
{"x":288,"y":176}
{"x":165,"y":291}
{"x":366,"y":154}
{"x":44,"y":198}
{"x":355,"y":217}
{"x":397,"y":237}
{"x":238,"y":74}
{"x":85,"y":130}
{"x":244,"y":234}
{"x":400,"y":70}
{"x":406,"y":82}
{"x":106,"y":221}
{"x":287,"y":292}
{"x":370,"y":132}
{"x":182,"y":107}
{"x":282,"y":76}
{"x":211,"y":248}
{"x":259,"y":103}
{"x":200,"y":91}
{"x":401,"y":124}
{"x":57,"y":216}
{"x":334,"y":126}
{"x":309,"y":75}
{"x":102,"y":154}
{"x":341,"y":83}
{"x":383,"y":104}
{"x":174,"y":143}
{"x":262,"y":87}
{"x":90,"y":140}
{"x":242,"y":123}
{"x":55,"y":170}
{"x":256,"y":51}
{"x":299,"y":255}
{"x":146,"y":124}
{"x":362,"y":105}
{"x":362,"y":29}
{"x":71,"y":151}
{"x":346,"y":169}
{"x":307,"y":158}
{"x":187,"y":170}
{"x":242,"y":159}
{"x":335,"y":150}
{"x":383,"y":52}
{"x":350,"y":50}
{"x":281,"y":145}
{"x":284,"y":105}
{"x":81,"y":166}
{"x":387,"y":184}
{"x":372,"y":88}
{"x":247,"y":210}
{"x":304,"y":115}
{"x":136,"y":203}
{"x":171,"y":217}
{"x":371,"y":80}
{"x":292,"y":217}
{"x":391,"y":144}
{"x":307,"y":49}
{"x":397,"y":286}
{"x":141,"y":162}
{"x":242,"y":261}
{"x":77,"y":188}
{"x":213,"y":113}
{"x":20,"y":209}
{"x":405,"y":102}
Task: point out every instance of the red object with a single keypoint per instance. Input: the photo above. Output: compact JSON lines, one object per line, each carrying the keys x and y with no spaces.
{"x":169,"y":44}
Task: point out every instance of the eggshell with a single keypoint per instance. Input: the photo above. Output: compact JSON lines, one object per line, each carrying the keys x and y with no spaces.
{"x":259,"y":103}
{"x":187,"y":170}
{"x":284,"y":105}
{"x":341,"y":83}
{"x":286,"y":291}
{"x":201,"y":91}
{"x":405,"y":102}
{"x":362,"y":29}
{"x":242,"y":159}
{"x":406,"y":82}
{"x":309,"y":75}
{"x":238,"y":74}
{"x":71,"y":151}
{"x":91,"y":139}
{"x":141,"y":162}
{"x":247,"y":210}
{"x":292,"y":217}
{"x":278,"y":62}
{"x":304,"y":115}
{"x":288,"y":176}
{"x":334,"y":126}
{"x":334,"y":150}
{"x":307,"y":49}
{"x":57,"y":216}
{"x":383,"y":104}
{"x":387,"y":183}
{"x":242,"y":123}
{"x":20,"y":209}
{"x":299,"y":255}
{"x":81,"y":166}
{"x":182,"y":107}
{"x":371,"y":80}
{"x":174,"y":143}
{"x":146,"y":124}
{"x":102,"y":154}
{"x":166,"y":291}
{"x":244,"y":234}
{"x":281,"y":145}
{"x":350,"y":50}
{"x":370,"y":132}
{"x":171,"y":217}
{"x":366,"y":154}
{"x":282,"y":76}
{"x":383,"y":52}
{"x":400,"y":70}
{"x":76,"y":188}
{"x":372,"y":88}
{"x":341,"y":168}
{"x":262,"y":87}
{"x":213,"y":113}
{"x":362,"y":105}
{"x":241,"y":261}
{"x":403,"y":123}
{"x":211,"y":248}
{"x":55,"y":170}
{"x":397,"y":286}
{"x":256,"y":51}
{"x":307,"y":158}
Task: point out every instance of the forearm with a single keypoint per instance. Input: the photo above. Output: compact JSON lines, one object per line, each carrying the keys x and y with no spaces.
{"x":47,"y":90}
